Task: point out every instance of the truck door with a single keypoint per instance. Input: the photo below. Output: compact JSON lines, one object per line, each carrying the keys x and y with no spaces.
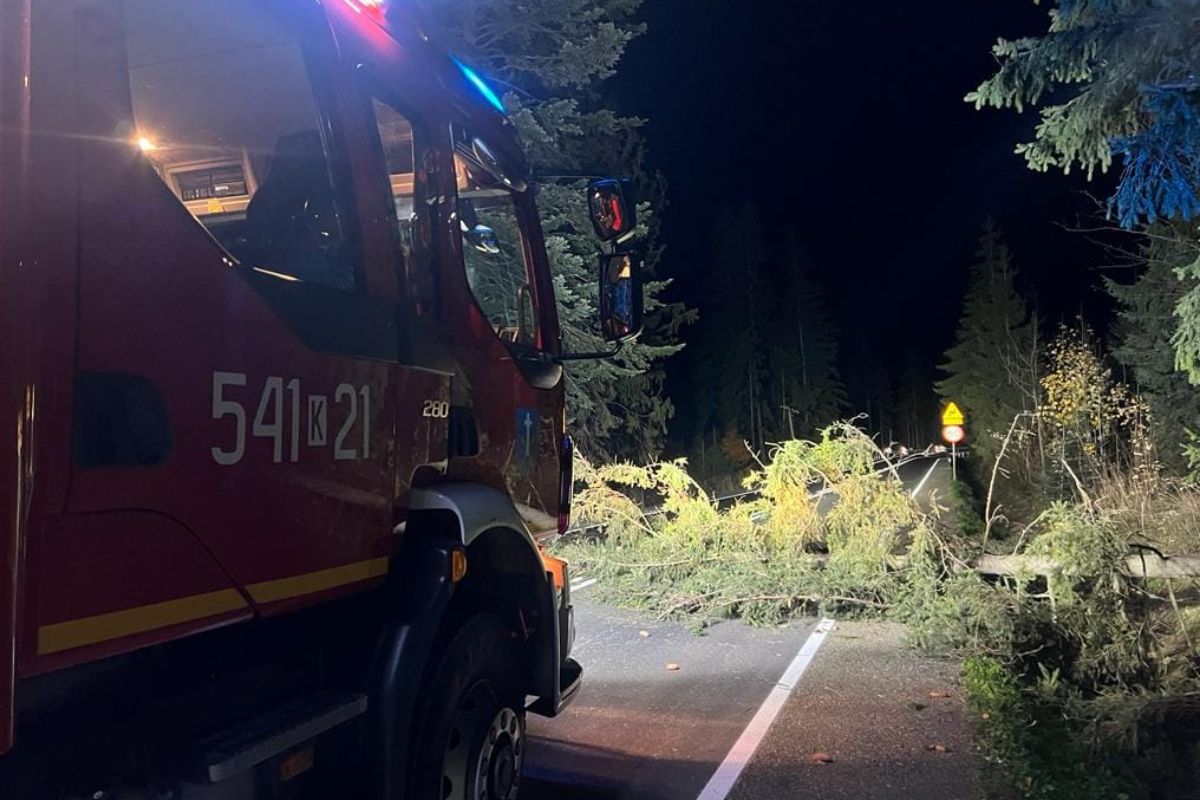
{"x":509,"y":314}
{"x":237,"y":349}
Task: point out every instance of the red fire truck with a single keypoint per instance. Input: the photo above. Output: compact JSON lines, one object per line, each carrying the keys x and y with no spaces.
{"x":281,"y":407}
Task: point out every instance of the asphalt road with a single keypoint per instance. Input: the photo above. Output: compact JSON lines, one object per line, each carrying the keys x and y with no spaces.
{"x":890,"y":724}
{"x":643,"y":730}
{"x":928,"y":479}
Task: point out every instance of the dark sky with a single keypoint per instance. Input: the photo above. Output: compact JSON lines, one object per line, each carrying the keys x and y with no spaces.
{"x":846,"y":121}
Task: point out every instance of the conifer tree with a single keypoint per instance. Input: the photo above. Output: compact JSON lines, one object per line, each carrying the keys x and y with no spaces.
{"x":1142,"y":343}
{"x":916,"y":404}
{"x":550,"y":58}
{"x":1118,"y":78}
{"x":734,"y":372}
{"x":987,"y":369}
{"x":769,"y":369}
{"x":1112,"y":77}
{"x":805,"y":382}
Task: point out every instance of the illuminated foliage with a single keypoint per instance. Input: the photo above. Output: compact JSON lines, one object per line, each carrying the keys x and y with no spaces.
{"x":1112,"y":77}
{"x":540,"y":44}
{"x":1076,"y":386}
{"x":756,"y":559}
{"x":1096,"y":424}
{"x":1118,"y":78}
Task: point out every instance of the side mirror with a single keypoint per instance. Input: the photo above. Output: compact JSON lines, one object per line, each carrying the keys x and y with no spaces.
{"x":614,"y":215}
{"x":621,"y":301}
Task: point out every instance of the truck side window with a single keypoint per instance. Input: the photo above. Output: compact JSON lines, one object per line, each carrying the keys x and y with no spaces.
{"x":494,"y":255}
{"x":224,"y":110}
{"x":407,"y":178}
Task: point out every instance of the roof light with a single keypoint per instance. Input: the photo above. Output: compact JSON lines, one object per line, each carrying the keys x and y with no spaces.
{"x":372,"y":7}
{"x":475,"y":80}
{"x":146,"y":144}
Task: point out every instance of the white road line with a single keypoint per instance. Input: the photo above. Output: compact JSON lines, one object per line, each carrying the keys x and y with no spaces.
{"x":579,"y":586}
{"x":723,"y":780}
{"x":924,"y":480}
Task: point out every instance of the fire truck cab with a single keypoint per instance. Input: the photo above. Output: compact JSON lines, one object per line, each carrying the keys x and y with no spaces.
{"x":281,"y":407}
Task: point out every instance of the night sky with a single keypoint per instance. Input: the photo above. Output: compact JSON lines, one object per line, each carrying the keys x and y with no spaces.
{"x":846,"y":121}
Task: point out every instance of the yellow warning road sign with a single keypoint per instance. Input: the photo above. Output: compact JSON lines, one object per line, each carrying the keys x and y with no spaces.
{"x":953,"y":415}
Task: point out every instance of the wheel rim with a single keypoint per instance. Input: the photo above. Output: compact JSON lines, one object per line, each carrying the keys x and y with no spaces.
{"x":485,"y":750}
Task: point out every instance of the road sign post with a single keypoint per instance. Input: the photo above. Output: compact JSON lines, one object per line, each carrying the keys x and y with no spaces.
{"x":953,"y":432}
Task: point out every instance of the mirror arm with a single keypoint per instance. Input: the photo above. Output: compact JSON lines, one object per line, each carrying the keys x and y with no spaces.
{"x":590,"y":356}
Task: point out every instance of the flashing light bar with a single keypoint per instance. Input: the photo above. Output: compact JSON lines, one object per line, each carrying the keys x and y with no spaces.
{"x":373,"y":8}
{"x":481,"y":86}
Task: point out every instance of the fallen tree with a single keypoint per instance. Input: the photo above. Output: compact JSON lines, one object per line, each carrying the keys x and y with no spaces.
{"x":1143,"y":564}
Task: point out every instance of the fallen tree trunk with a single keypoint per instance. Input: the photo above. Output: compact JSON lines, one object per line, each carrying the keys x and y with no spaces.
{"x":1149,"y":565}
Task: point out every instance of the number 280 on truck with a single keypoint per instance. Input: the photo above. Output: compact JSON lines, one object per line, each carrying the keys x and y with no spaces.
{"x":281,"y":407}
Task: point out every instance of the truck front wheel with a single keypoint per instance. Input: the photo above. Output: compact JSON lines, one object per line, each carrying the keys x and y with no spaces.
{"x":472,"y":734}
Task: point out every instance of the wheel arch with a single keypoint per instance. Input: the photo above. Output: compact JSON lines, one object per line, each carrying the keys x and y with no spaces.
{"x":478,"y":510}
{"x":505,"y":572}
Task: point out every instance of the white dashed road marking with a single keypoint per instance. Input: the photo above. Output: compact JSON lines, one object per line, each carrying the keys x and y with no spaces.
{"x":925,"y":480}
{"x":579,"y":586}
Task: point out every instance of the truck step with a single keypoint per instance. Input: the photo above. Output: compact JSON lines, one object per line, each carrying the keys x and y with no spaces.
{"x":570,"y":678}
{"x":252,"y":742}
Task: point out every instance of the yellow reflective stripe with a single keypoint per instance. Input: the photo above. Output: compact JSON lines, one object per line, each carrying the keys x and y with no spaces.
{"x":313,"y":582}
{"x":118,"y":624}
{"x":128,"y":622}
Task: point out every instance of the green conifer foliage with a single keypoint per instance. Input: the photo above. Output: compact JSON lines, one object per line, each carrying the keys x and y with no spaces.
{"x":549,"y":59}
{"x":990,"y":370}
{"x":1146,"y":323}
{"x":734,"y":374}
{"x":1111,"y":77}
{"x":1118,"y":78}
{"x":806,"y":385}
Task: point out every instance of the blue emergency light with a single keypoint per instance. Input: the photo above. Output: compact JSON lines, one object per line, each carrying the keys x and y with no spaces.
{"x":475,"y":80}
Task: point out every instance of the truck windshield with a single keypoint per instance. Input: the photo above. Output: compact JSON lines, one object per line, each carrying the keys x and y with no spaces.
{"x":495,"y":255}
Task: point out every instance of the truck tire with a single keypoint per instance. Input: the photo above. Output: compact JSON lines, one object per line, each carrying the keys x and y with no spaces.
{"x":471,"y":736}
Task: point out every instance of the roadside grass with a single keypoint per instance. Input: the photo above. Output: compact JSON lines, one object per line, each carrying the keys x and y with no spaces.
{"x":1025,"y":735}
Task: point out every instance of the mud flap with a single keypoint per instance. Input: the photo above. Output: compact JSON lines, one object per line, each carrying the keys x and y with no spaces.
{"x":561,"y":675}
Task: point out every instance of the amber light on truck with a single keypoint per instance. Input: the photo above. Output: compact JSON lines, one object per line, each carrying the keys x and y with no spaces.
{"x":556,"y":566}
{"x":458,"y":565}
